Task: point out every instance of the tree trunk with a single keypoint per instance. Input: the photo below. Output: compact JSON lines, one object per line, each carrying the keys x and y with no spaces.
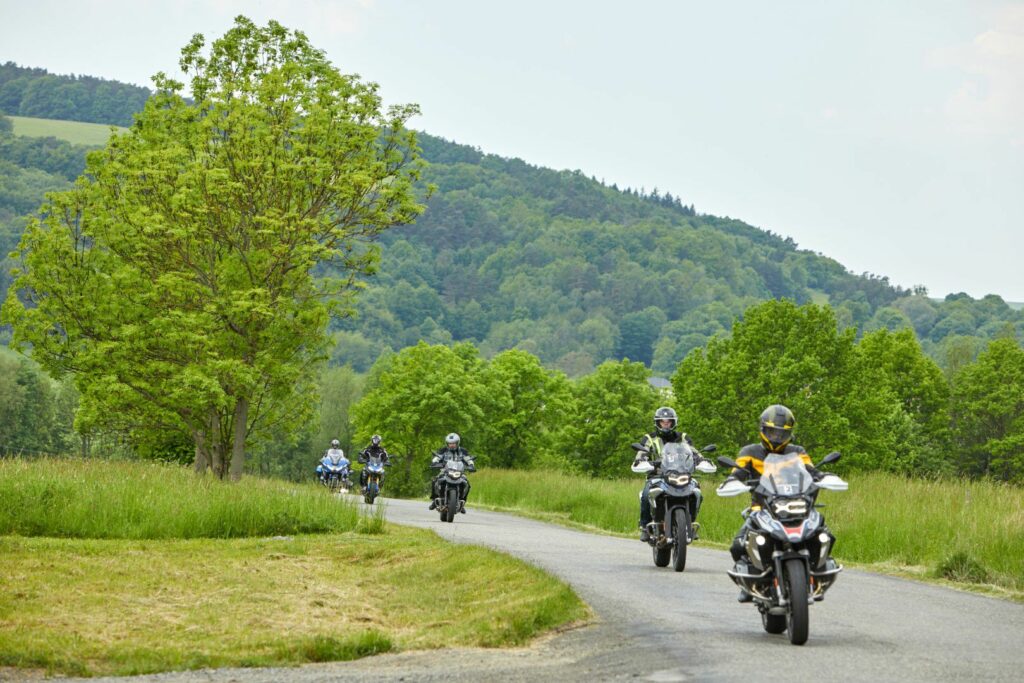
{"x":238,"y":446}
{"x":202,"y":460}
{"x":216,"y":446}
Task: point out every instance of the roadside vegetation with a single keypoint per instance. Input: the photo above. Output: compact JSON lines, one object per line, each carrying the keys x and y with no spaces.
{"x":969,"y":532}
{"x":128,"y":568}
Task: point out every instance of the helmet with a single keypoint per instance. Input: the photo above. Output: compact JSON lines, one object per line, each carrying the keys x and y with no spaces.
{"x":452,"y":440}
{"x":662,"y":414}
{"x":375,"y":439}
{"x":777,"y":423}
{"x":335,"y":443}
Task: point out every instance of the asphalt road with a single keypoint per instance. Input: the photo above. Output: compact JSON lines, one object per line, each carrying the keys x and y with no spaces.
{"x":655,"y":624}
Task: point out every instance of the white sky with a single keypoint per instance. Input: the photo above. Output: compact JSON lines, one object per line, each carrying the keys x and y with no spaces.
{"x":887,"y":135}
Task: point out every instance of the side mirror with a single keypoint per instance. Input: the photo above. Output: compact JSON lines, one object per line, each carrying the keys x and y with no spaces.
{"x":706,"y":467}
{"x":638,"y":447}
{"x":830,"y":458}
{"x":710,"y":448}
{"x":726,"y":462}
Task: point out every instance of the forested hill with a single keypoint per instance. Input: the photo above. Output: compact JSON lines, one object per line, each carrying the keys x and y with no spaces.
{"x":575,"y":271}
{"x":554,"y":262}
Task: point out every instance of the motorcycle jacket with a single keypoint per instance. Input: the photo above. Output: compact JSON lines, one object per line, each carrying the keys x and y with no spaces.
{"x":443,"y":454}
{"x":750,"y":461}
{"x":654,"y":441}
{"x":372,"y":451}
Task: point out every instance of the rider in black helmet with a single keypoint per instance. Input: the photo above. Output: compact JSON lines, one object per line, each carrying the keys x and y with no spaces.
{"x":665,"y":421}
{"x":374,"y":450}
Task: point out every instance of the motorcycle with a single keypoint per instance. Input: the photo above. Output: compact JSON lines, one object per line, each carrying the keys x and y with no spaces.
{"x":374,"y":474}
{"x":786,"y":541}
{"x":675,"y":499}
{"x":333,"y":471}
{"x":452,"y":487}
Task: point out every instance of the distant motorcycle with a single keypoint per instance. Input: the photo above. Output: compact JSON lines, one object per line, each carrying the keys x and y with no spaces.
{"x":374,"y":474}
{"x":334,"y":471}
{"x":675,"y":498}
{"x":786,"y":541}
{"x":453,"y":484}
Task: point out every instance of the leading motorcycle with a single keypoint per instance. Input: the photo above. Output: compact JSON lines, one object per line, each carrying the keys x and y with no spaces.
{"x":786,"y":542}
{"x":675,"y":499}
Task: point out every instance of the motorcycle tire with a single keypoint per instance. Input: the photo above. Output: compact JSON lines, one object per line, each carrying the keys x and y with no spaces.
{"x":453,"y":504}
{"x":680,"y":531}
{"x":796,"y":588}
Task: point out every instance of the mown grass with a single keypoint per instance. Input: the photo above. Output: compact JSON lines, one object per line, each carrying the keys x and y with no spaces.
{"x":75,"y":132}
{"x":102,"y":499}
{"x":121,"y":607}
{"x":964,"y":531}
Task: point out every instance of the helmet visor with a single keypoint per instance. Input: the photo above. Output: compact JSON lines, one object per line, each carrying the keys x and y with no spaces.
{"x":777,"y":435}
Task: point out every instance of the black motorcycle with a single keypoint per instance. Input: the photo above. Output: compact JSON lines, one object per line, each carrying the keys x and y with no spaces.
{"x":786,"y":541}
{"x":675,"y":499}
{"x":452,"y":487}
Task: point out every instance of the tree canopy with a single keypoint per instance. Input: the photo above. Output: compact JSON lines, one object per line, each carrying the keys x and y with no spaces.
{"x":177,"y":280}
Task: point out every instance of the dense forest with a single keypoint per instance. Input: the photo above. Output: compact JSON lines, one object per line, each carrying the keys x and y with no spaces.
{"x":38,"y":93}
{"x":575,"y":274}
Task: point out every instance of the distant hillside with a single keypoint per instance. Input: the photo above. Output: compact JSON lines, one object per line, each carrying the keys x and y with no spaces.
{"x":38,"y":93}
{"x":575,"y":271}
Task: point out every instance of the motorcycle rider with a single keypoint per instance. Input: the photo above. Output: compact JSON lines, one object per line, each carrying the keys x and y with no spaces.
{"x":451,"y":451}
{"x":335,"y":454}
{"x":374,"y":450}
{"x":665,"y":421}
{"x":776,"y":435}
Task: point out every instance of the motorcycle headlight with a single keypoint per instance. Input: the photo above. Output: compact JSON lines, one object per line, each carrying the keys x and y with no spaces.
{"x":796,"y":507}
{"x":454,"y":474}
{"x":678,"y":479}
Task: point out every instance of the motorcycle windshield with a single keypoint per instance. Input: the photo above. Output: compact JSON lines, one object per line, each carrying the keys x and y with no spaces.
{"x":785,"y":475}
{"x":455,"y":466}
{"x":677,"y":457}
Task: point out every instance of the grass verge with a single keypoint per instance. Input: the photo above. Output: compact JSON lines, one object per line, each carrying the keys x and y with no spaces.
{"x":102,"y":499}
{"x":964,"y":532}
{"x":122,"y":607}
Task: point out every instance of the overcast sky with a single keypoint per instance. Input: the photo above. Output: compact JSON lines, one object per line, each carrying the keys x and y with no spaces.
{"x":887,"y":135}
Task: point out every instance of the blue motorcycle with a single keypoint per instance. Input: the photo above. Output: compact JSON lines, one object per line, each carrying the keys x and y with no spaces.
{"x":374,"y":475}
{"x":334,"y":471}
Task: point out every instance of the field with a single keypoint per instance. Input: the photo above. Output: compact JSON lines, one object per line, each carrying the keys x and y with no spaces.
{"x":73,"y":131}
{"x":963,"y":531}
{"x":130,"y":568}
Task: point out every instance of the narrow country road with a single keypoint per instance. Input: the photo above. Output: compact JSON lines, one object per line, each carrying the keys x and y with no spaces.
{"x":655,"y":624}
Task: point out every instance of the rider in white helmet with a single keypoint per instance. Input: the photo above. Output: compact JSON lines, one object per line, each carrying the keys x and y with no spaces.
{"x":451,"y":451}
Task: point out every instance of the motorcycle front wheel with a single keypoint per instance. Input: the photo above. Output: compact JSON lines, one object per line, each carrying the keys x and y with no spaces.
{"x":453,"y":504}
{"x":796,"y":587}
{"x":680,"y":529}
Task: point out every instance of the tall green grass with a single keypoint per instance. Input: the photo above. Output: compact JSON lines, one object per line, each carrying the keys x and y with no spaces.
{"x":132,"y":500}
{"x":962,"y":530}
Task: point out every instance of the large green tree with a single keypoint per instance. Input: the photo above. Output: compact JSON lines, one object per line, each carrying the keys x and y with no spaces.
{"x":420,"y":395}
{"x":988,"y":412}
{"x":614,"y":404}
{"x":794,"y":355}
{"x":176,"y":280}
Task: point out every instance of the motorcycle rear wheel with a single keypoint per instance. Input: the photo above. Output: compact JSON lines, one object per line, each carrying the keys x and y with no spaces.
{"x":680,"y":527}
{"x":796,"y":588}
